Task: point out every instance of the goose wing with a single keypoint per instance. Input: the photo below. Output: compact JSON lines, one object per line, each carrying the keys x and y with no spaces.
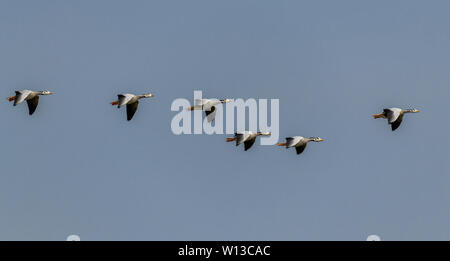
{"x":241,"y":137}
{"x":32,"y":104}
{"x":131,"y":110}
{"x":249,"y":143}
{"x":211,"y":114}
{"x":300,"y":148}
{"x":392,"y":114}
{"x":292,"y":141}
{"x":205,"y":104}
{"x":397,"y":123}
{"x":21,"y":96}
{"x":124,"y":99}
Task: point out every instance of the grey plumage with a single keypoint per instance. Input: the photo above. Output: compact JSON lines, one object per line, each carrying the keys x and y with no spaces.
{"x":208,"y":106}
{"x":394,"y":116}
{"x":131,"y":110}
{"x":131,"y":101}
{"x":248,"y":138}
{"x":32,"y":104}
{"x":299,"y":143}
{"x":32,"y":98}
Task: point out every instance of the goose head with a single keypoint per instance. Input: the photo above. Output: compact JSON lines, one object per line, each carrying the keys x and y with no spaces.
{"x":46,"y":93}
{"x":226,"y":100}
{"x":147,"y":95}
{"x":316,"y":139}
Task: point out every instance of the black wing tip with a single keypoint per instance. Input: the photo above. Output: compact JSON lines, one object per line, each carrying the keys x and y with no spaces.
{"x":300,"y":149}
{"x":395,"y":125}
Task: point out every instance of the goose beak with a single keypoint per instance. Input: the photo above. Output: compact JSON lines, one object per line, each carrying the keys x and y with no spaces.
{"x":320,"y":139}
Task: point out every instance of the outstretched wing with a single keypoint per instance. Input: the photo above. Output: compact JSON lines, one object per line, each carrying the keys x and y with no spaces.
{"x":249,"y":143}
{"x":292,"y":141}
{"x":211,"y":114}
{"x":396,"y":123}
{"x":241,"y":137}
{"x":124,"y":99}
{"x":131,"y":110}
{"x":32,"y":104}
{"x":392,"y":114}
{"x":300,"y":148}
{"x":21,"y":96}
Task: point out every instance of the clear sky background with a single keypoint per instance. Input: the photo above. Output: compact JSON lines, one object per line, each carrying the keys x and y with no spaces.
{"x":78,"y":167}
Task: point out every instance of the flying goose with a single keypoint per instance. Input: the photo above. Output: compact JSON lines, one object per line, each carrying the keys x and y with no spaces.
{"x":298,"y":142}
{"x":31,"y":97}
{"x":207,"y":105}
{"x":131,"y":101}
{"x":247,"y":137}
{"x":394,"y":116}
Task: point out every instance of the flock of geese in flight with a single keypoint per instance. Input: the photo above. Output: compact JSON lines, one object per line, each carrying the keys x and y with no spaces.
{"x":394,"y":116}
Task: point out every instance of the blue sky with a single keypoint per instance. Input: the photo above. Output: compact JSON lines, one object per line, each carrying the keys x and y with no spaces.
{"x":78,"y":167}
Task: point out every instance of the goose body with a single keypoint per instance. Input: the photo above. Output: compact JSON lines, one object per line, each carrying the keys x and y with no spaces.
{"x":298,"y":142}
{"x":32,"y":98}
{"x":209,"y":106}
{"x":394,"y":116}
{"x":247,"y":137}
{"x":131,"y":101}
